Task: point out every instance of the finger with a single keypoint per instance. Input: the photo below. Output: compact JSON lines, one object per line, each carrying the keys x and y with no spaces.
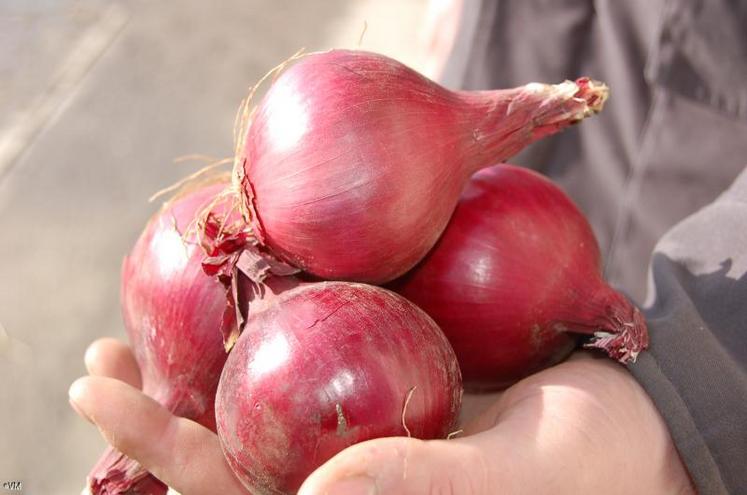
{"x":181,"y":453}
{"x":409,"y":466}
{"x":112,"y":358}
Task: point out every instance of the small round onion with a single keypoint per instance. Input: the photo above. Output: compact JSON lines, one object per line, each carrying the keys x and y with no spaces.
{"x":516,"y":279}
{"x":323,"y":366}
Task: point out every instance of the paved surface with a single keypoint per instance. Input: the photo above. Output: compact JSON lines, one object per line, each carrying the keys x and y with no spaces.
{"x":96,"y":100}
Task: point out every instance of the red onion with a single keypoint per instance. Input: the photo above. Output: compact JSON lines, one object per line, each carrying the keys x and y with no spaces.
{"x":353,"y":163}
{"x":325,"y":365}
{"x":516,"y":277}
{"x":174,"y":315}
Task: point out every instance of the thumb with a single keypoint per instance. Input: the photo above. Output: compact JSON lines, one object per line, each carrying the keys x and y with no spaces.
{"x":401,"y":465}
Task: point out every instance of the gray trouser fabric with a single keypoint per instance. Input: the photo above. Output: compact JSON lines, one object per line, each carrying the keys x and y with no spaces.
{"x":671,"y":140}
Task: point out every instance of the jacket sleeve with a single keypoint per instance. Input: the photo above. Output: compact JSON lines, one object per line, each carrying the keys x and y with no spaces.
{"x":696,"y":367}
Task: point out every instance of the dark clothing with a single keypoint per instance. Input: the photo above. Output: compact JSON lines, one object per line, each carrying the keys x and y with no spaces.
{"x":695,"y":369}
{"x":672,"y":137}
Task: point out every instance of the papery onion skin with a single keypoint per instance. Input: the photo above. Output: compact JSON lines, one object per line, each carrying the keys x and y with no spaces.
{"x":326,"y":365}
{"x":173,"y":315}
{"x":516,"y":278}
{"x":353,"y":163}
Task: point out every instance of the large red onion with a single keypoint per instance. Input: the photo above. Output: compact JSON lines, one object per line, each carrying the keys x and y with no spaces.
{"x":174,"y":315}
{"x":325,"y":365}
{"x":353,"y":163}
{"x":516,"y":278}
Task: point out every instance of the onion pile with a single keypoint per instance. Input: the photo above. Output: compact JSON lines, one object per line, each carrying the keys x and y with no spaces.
{"x":349,"y":170}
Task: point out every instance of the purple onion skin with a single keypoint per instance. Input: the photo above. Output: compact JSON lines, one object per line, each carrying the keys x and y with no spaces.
{"x":327,"y":365}
{"x":353,"y":163}
{"x":516,"y":279}
{"x":173,"y":315}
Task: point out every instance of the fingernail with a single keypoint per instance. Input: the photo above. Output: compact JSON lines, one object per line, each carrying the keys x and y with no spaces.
{"x":357,"y":485}
{"x":74,"y":395}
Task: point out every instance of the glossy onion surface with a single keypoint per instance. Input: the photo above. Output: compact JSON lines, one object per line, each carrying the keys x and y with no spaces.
{"x":353,"y":163}
{"x":173,"y":315}
{"x":325,"y":366}
{"x":516,"y":278}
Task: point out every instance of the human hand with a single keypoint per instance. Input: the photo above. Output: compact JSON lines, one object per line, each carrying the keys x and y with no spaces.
{"x":182,"y":453}
{"x":584,"y":426}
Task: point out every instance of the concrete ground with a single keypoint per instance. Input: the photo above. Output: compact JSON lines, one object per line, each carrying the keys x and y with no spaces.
{"x":97,"y":97}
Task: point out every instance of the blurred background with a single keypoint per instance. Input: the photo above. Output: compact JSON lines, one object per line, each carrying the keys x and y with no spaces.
{"x":97,"y":98}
